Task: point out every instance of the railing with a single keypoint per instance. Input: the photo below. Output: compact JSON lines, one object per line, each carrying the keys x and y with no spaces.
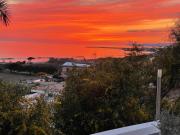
{"x":150,"y":128}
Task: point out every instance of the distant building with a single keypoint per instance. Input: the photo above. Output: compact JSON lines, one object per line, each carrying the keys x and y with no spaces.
{"x":67,"y":66}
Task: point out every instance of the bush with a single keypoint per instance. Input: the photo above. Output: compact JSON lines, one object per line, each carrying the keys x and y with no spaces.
{"x":32,"y":68}
{"x":16,"y":118}
{"x":113,"y":95}
{"x":170,"y":124}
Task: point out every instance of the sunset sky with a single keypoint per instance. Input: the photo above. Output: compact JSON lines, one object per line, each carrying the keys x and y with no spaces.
{"x":71,"y":28}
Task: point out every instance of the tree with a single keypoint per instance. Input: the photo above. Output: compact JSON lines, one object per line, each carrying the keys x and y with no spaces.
{"x":170,"y":119}
{"x":136,"y":49}
{"x":176,"y":37}
{"x":30,"y":59}
{"x":18,"y":116}
{"x":175,"y":34}
{"x":113,"y":95}
{"x":4,"y":15}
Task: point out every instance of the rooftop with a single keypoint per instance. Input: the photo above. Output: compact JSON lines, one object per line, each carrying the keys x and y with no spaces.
{"x":73,"y":64}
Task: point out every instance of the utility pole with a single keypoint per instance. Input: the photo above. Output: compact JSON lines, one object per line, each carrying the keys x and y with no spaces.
{"x":158,"y":96}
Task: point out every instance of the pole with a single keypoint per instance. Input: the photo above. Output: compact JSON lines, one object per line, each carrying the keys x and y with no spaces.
{"x":158,"y":96}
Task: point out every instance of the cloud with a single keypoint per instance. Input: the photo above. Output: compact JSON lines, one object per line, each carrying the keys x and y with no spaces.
{"x":95,"y":2}
{"x":18,"y":1}
{"x":87,"y":23}
{"x":171,"y":2}
{"x":105,"y":47}
{"x":146,"y":30}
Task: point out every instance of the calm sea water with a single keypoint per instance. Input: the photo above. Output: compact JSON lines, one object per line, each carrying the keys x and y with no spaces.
{"x":36,"y":60}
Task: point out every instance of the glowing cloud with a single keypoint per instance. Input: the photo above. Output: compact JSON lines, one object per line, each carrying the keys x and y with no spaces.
{"x":64,"y":28}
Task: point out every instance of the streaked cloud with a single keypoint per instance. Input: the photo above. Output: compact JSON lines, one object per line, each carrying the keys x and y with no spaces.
{"x":18,"y":1}
{"x":72,"y":24}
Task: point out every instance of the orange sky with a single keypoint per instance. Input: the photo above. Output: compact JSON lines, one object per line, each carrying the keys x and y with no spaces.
{"x":71,"y":28}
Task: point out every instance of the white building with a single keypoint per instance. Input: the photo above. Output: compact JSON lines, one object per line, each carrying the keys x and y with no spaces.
{"x":67,"y":66}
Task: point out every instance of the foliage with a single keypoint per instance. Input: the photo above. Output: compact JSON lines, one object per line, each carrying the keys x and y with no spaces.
{"x":18,"y":119}
{"x":175,"y":34}
{"x":32,"y":68}
{"x":59,"y":61}
{"x":4,"y":15}
{"x":109,"y":96}
{"x":114,"y":93}
{"x":170,"y":123}
{"x":30,"y":59}
{"x":136,"y":49}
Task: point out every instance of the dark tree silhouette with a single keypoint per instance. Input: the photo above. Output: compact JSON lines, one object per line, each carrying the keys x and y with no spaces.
{"x":30,"y":59}
{"x":4,"y":15}
{"x":176,"y":32}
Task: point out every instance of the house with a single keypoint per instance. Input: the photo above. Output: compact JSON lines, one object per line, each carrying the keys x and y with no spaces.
{"x":67,"y":66}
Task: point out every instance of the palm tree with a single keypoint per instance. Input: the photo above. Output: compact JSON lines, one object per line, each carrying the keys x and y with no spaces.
{"x":4,"y":16}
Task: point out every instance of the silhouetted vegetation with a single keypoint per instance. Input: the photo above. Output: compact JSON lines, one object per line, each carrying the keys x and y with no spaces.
{"x":59,"y":61}
{"x":4,"y":14}
{"x":30,"y":59}
{"x":32,"y":68}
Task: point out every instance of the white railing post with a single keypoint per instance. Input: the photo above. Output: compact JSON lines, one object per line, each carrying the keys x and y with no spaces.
{"x":158,"y":96}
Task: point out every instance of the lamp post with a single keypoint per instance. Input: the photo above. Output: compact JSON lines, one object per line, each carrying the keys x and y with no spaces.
{"x":158,"y":95}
